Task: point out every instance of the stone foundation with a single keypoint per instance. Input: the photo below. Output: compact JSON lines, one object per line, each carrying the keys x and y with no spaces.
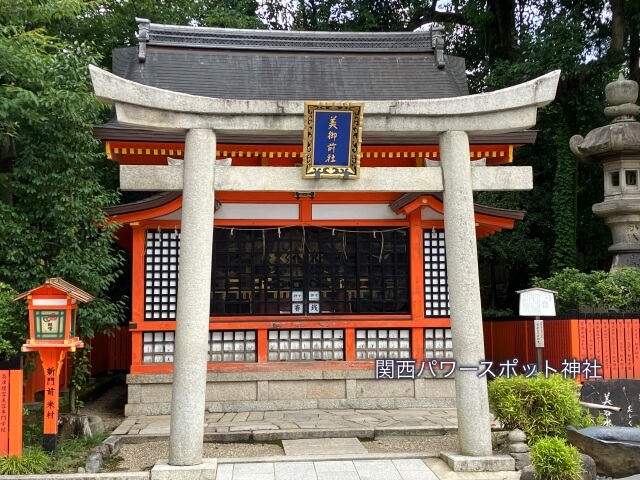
{"x":293,"y":390}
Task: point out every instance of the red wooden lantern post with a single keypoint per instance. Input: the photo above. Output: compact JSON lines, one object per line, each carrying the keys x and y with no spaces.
{"x":52,"y":333}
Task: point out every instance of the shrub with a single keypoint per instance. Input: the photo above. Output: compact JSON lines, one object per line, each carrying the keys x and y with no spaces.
{"x":538,"y":406}
{"x":33,"y":461}
{"x":13,"y":325}
{"x":553,"y":459}
{"x":612,"y":291}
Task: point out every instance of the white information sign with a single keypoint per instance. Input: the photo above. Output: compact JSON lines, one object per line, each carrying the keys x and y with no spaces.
{"x":538,"y":333}
{"x":537,"y":302}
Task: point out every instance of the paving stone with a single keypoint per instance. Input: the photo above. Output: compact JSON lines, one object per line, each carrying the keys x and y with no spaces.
{"x":362,"y":419}
{"x":225,"y":472}
{"x":295,"y":471}
{"x":269,"y":435}
{"x":203,"y":471}
{"x":409,"y":464}
{"x":213,"y":417}
{"x":425,"y":474}
{"x":442,"y":421}
{"x":489,"y":463}
{"x":342,"y":466}
{"x":325,"y":446}
{"x":253,"y":468}
{"x":243,"y":428}
{"x":286,"y":425}
{"x":155,"y":431}
{"x":343,"y":475}
{"x":254,"y":476}
{"x":255,"y":416}
{"x":273,"y":415}
{"x":241,"y":417}
{"x":376,"y":469}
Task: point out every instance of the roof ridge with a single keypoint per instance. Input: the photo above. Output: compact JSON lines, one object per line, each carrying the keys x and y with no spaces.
{"x":279,"y":40}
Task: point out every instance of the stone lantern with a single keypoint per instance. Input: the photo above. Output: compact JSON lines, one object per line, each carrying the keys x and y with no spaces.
{"x":52,"y":333}
{"x":617,"y":147}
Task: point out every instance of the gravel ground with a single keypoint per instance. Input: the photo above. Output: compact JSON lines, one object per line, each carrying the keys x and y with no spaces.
{"x":142,"y":456}
{"x":427,"y":444}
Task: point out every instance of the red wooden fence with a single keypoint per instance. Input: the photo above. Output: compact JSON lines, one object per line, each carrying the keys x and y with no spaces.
{"x":612,"y":340}
{"x":109,"y":353}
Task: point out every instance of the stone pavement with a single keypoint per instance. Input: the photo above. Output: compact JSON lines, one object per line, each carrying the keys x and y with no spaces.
{"x":336,"y":454}
{"x":366,"y":467}
{"x":402,"y":469}
{"x":343,"y":458}
{"x":296,"y":424}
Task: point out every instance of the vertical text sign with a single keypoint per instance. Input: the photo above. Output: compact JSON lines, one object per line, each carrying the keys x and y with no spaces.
{"x":4,"y":412}
{"x":538,"y":329}
{"x":331,"y":138}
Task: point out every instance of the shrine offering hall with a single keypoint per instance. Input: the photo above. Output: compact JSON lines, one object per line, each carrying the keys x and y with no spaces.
{"x":308,"y":288}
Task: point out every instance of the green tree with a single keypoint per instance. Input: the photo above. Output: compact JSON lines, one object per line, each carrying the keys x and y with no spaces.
{"x":112,"y":24}
{"x":13,"y":328}
{"x":506,"y":42}
{"x":52,"y":221}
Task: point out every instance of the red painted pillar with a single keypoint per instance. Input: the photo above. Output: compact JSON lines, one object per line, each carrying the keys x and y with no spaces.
{"x":52,"y":360}
{"x":11,"y":407}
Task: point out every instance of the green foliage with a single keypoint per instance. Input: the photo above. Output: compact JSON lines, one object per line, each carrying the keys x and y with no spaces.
{"x":33,"y":461}
{"x":52,"y":221}
{"x":112,"y":24}
{"x":553,"y":459}
{"x":13,"y":325}
{"x":612,"y":291}
{"x":32,"y":426}
{"x":72,"y":453}
{"x":538,"y":406}
{"x":564,"y":205}
{"x":505,"y":43}
{"x":496,"y":313}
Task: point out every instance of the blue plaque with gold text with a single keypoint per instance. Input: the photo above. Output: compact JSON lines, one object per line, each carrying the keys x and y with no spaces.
{"x":332,"y":139}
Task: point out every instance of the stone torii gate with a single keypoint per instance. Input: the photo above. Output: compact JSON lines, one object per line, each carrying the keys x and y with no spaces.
{"x":453,"y":119}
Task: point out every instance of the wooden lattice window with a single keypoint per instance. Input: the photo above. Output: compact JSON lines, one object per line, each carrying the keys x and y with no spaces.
{"x":309,"y":271}
{"x":162,"y":249}
{"x":436,"y":289}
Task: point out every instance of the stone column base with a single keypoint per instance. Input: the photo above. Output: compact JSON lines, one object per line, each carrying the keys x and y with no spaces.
{"x":486,"y":463}
{"x":204,"y":471}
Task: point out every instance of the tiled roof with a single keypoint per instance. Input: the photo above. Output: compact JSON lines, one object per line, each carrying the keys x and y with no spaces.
{"x":261,"y":64}
{"x":407,"y":198}
{"x":63,"y":285}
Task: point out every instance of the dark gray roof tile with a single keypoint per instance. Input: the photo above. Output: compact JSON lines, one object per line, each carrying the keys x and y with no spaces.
{"x":288,"y":76}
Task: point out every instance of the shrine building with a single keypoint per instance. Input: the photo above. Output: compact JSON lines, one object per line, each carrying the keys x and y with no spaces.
{"x":308,"y":288}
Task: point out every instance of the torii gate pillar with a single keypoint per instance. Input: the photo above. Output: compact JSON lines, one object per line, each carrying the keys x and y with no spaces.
{"x":511,"y":109}
{"x":472,"y":402}
{"x":192,"y":315}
